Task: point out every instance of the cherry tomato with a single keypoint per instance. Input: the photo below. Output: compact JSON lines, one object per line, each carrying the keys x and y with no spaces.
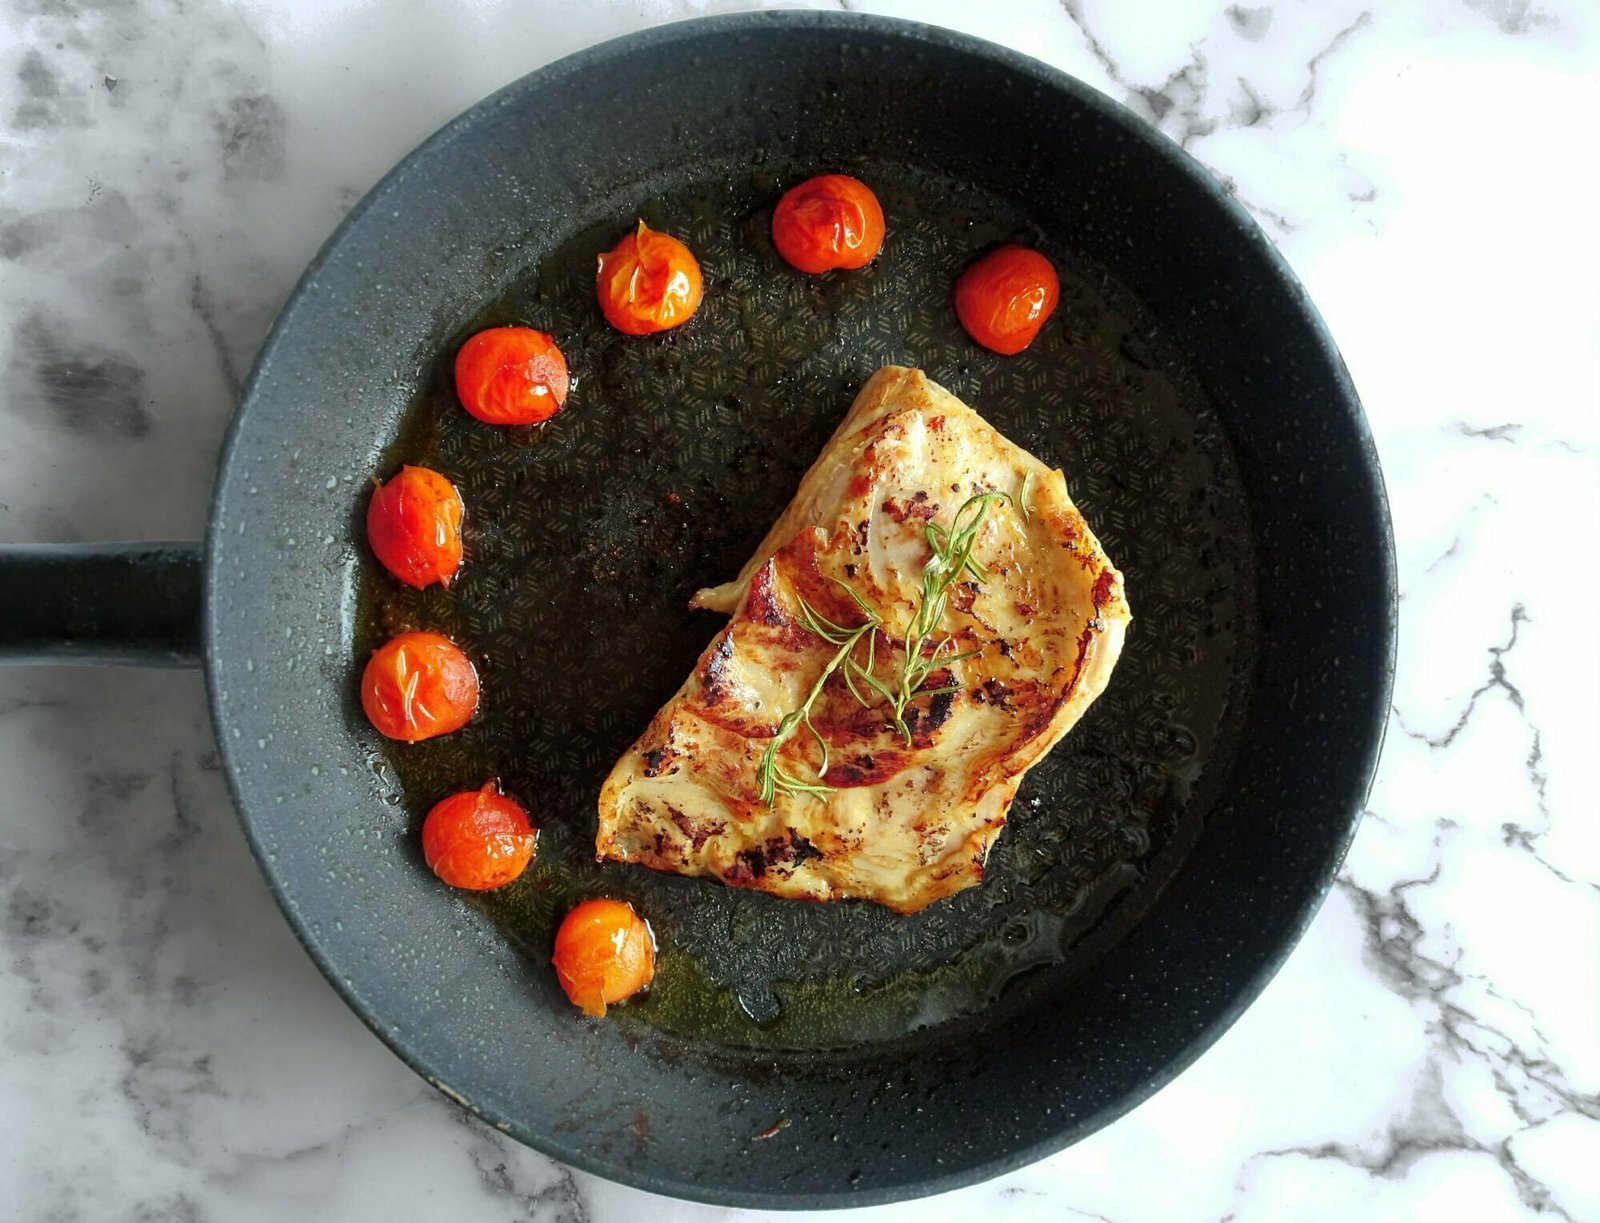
{"x":1004,"y":298}
{"x":833,"y":221}
{"x":414,"y":527}
{"x":419,"y":685}
{"x":511,"y":376}
{"x":648,"y":282}
{"x":605,"y":952}
{"x":478,"y":839}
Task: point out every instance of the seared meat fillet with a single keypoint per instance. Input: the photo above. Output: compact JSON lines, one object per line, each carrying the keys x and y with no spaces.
{"x":903,"y":824}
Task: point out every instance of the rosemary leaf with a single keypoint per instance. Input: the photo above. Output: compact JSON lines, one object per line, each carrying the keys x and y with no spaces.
{"x":952,"y":556}
{"x":771,"y":778}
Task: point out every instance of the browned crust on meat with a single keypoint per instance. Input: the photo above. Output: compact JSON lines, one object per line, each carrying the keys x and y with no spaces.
{"x":906,"y":823}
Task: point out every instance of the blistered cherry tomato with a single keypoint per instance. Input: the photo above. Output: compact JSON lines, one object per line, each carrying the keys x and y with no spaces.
{"x":511,"y":376}
{"x":832,"y":221}
{"x":414,"y":527}
{"x":605,"y":952}
{"x":419,"y":685}
{"x":648,"y":282}
{"x":1004,"y":298}
{"x":478,"y":839}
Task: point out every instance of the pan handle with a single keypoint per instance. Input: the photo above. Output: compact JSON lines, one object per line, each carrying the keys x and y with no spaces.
{"x":135,"y":604}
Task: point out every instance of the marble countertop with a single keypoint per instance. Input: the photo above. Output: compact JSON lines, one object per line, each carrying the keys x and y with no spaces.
{"x":1430,"y":1051}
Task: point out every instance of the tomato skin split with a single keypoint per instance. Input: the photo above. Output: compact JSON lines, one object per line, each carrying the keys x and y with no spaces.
{"x":418,"y":686}
{"x":512,"y":376}
{"x":831,"y":221}
{"x":605,"y":953}
{"x":648,"y":282}
{"x":414,"y":527}
{"x":478,"y":839}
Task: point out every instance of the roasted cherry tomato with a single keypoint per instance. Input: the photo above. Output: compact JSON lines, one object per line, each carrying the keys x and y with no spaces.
{"x":511,"y":376}
{"x":414,"y":527}
{"x":648,"y":282}
{"x":419,"y":685}
{"x":605,"y":952}
{"x":1004,"y":298}
{"x":833,"y":221}
{"x":478,"y":839}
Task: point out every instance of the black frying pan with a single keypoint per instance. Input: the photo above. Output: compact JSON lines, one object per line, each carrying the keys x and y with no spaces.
{"x":1159,"y":865}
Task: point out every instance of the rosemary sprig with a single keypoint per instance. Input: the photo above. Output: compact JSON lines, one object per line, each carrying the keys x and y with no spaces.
{"x":772,"y":778}
{"x":952,"y":556}
{"x":952,"y":549}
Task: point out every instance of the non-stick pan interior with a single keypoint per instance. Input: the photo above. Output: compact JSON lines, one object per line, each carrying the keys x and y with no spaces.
{"x":675,"y":454}
{"x":1157,"y":865}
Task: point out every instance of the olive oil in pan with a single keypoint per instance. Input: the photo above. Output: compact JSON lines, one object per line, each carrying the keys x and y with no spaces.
{"x":838,"y":1012}
{"x":586,"y":536}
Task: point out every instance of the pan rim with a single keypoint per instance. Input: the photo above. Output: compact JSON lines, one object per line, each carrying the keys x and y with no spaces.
{"x":1151,"y":143}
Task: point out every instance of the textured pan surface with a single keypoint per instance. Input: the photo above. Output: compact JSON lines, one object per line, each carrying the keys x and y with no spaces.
{"x":908,"y":814}
{"x":1158,"y":865}
{"x":674,"y":456}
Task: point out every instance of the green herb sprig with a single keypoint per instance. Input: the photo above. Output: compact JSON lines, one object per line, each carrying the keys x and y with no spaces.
{"x":952,"y":556}
{"x":772,"y":778}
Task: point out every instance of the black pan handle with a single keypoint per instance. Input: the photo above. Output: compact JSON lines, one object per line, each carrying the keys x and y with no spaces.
{"x":102,"y":604}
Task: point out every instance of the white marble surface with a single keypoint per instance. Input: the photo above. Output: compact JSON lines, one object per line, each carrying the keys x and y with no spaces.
{"x":1432,"y":1049}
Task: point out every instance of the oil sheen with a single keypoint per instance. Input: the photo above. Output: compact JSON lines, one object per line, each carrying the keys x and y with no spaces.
{"x":586,"y":536}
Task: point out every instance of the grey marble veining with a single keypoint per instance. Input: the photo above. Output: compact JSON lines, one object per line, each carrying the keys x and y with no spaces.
{"x":1431,"y":1050}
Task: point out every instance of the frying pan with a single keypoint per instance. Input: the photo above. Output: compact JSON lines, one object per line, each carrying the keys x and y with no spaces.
{"x":1159,"y":865}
